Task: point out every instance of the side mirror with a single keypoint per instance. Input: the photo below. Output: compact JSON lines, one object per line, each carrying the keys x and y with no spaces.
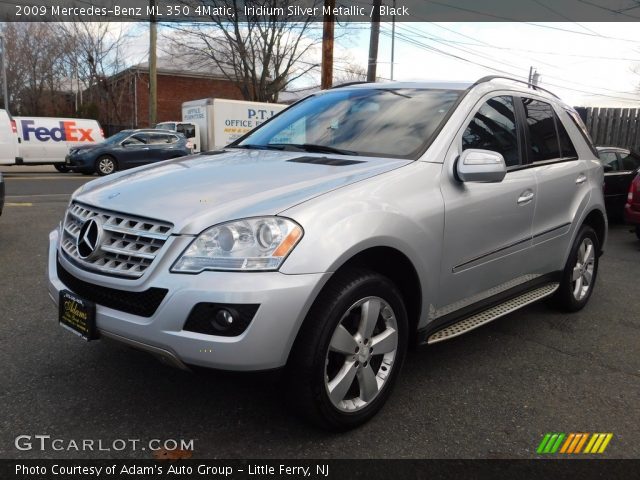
{"x":484,"y":166}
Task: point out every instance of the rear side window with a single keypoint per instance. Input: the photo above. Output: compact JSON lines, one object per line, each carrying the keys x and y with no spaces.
{"x":158,"y":138}
{"x":566,"y":145}
{"x":543,"y":138}
{"x":494,"y":128}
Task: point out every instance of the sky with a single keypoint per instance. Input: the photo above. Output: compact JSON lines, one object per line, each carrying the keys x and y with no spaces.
{"x":586,"y":64}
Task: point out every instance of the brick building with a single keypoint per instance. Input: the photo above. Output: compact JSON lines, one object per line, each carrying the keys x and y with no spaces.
{"x":122,"y":101}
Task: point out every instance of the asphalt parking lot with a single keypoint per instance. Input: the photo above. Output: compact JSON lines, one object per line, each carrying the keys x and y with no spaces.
{"x":492,"y":393}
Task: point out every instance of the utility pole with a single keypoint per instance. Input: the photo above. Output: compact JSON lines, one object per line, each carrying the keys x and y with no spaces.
{"x":326,"y":75}
{"x":393,"y":37}
{"x":153,"y":60}
{"x":373,"y":42}
{"x":5,"y":90}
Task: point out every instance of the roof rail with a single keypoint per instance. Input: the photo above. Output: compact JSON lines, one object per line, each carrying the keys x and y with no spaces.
{"x":488,"y":78}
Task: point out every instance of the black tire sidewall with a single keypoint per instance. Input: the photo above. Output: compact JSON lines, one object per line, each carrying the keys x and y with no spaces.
{"x":99,"y":159}
{"x":566,"y":299}
{"x":328,"y":310}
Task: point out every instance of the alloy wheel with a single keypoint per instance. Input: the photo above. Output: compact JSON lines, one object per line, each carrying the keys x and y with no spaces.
{"x":582,"y":275}
{"x":106,"y":165}
{"x":361,"y":354}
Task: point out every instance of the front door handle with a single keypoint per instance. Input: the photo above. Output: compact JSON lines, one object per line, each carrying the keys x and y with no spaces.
{"x":525,"y":197}
{"x":581,"y":179}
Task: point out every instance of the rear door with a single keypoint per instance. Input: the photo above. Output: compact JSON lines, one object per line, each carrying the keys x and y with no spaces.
{"x":615,"y":180}
{"x":487,"y":234}
{"x":163,"y":146}
{"x":562,"y":180}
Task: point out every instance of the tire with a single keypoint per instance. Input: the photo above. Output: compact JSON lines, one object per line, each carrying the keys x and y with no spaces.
{"x":336,"y":324}
{"x":106,"y":165}
{"x":582,"y":269}
{"x":638,"y":231}
{"x":61,"y":167}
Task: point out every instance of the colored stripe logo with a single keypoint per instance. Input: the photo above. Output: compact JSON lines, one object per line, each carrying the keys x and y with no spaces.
{"x":574,"y":443}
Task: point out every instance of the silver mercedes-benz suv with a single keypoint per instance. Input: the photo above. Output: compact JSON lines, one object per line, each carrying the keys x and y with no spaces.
{"x":358,"y":222}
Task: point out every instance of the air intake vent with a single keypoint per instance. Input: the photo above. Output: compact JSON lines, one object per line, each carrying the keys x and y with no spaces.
{"x":334,"y":162}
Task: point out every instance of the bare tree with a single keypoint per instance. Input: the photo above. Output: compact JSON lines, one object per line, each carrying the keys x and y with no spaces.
{"x":95,"y":55}
{"x":35,"y":76}
{"x":261,"y":53}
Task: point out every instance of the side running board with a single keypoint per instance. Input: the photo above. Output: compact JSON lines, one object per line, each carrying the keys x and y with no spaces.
{"x":486,"y":316}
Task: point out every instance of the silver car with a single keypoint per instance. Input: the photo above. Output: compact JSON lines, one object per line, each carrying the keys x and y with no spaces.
{"x":359,"y":222}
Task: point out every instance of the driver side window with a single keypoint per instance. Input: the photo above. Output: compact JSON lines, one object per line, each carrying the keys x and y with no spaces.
{"x":494,"y":128}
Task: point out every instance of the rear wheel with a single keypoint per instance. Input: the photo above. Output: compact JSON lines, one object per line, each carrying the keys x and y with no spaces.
{"x":105,"y":165}
{"x":349,"y":352}
{"x":580,"y":272}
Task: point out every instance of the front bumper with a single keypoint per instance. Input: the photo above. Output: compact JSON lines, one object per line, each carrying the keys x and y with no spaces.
{"x":81,"y":163}
{"x":284,"y":301}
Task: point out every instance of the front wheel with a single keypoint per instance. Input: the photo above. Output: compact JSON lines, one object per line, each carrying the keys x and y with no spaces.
{"x":580,"y":272}
{"x":105,"y":165}
{"x":349,"y":351}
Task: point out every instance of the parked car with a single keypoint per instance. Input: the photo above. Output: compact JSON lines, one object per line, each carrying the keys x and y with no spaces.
{"x":632,"y":207}
{"x":1,"y":193}
{"x":360,"y":221}
{"x":127,"y":149}
{"x":620,"y":167}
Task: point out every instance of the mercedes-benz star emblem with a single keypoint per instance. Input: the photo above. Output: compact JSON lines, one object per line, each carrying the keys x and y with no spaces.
{"x":89,"y":238}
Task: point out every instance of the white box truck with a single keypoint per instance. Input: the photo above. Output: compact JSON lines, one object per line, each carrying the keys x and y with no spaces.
{"x":47,"y":140}
{"x":8,"y":139}
{"x":220,"y":122}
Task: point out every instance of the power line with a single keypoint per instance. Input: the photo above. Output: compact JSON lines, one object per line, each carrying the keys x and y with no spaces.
{"x":473,"y":52}
{"x":498,"y":70}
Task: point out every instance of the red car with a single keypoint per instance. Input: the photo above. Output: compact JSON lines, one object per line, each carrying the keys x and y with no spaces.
{"x":632,"y":208}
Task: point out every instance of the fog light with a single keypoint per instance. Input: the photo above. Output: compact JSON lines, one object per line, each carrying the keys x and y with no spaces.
{"x":224,"y":319}
{"x":227,"y":320}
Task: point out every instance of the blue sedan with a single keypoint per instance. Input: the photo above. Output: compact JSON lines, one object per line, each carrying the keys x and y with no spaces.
{"x":127,"y":149}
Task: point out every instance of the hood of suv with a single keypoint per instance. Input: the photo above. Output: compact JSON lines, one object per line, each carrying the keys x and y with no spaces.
{"x":199,"y":191}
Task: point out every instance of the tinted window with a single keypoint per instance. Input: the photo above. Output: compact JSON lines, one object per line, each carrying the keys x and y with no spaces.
{"x":566,"y":145}
{"x":494,"y":128}
{"x":629,"y":161}
{"x":543,"y":139}
{"x":136,"y":140}
{"x":373,"y":121}
{"x":158,"y":138}
{"x":609,"y":158}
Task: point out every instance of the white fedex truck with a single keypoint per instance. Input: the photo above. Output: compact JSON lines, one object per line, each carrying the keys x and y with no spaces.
{"x":8,"y":139}
{"x":47,"y":140}
{"x":213,"y":123}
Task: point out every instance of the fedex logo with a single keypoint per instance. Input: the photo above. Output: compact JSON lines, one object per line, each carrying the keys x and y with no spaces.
{"x":66,"y":132}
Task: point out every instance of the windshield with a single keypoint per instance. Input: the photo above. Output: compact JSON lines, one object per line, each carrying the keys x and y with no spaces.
{"x":166,"y":126}
{"x":375,"y":122}
{"x":117,"y":138}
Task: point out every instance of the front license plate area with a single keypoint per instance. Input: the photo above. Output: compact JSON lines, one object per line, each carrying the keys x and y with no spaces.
{"x":78,"y":315}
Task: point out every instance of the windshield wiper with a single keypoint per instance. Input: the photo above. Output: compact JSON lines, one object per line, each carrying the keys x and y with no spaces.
{"x":251,"y":146}
{"x":314,"y":148}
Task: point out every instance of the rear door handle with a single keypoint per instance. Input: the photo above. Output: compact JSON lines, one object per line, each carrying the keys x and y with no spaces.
{"x":525,"y":197}
{"x":581,"y":179}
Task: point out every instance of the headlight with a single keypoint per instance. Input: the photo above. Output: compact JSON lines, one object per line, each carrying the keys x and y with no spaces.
{"x":252,"y":244}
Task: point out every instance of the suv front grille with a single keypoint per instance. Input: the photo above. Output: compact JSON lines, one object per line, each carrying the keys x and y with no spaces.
{"x":128,"y":245}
